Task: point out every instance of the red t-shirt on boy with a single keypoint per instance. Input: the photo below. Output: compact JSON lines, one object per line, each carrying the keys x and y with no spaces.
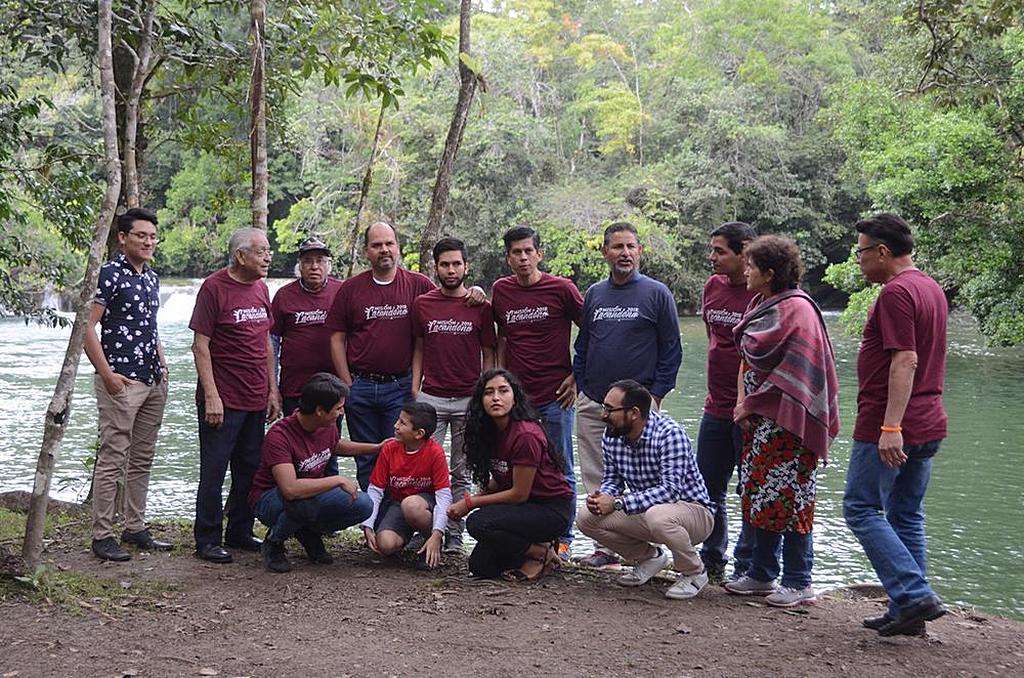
{"x":403,"y":474}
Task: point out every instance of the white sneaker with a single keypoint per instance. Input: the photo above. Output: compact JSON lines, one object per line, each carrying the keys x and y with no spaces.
{"x":787,"y":597}
{"x":687,"y":586}
{"x":645,"y":569}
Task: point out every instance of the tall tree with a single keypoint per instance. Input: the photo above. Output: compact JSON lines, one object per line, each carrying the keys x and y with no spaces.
{"x":468,"y":76}
{"x":58,"y":414}
{"x":258,"y":113}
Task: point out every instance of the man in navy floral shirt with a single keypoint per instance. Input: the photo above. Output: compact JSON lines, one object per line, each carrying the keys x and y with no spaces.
{"x":131,"y":385}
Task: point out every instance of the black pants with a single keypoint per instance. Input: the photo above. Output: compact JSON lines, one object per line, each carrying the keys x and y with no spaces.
{"x":504,"y":532}
{"x":289,"y":405}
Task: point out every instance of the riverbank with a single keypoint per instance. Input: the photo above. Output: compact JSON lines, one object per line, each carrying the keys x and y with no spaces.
{"x":168,"y":614}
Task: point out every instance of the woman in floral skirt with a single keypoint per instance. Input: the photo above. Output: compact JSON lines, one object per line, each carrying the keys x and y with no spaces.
{"x":788,"y":409}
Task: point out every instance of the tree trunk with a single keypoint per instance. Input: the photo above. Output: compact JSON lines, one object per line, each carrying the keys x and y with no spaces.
{"x":443,"y":184}
{"x":140,"y":72}
{"x":364,"y":189}
{"x":258,"y":114}
{"x":59,"y":411}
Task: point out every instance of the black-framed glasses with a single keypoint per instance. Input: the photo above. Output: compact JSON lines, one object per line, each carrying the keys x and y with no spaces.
{"x":608,"y":409}
{"x":144,"y":237}
{"x":861,"y":250}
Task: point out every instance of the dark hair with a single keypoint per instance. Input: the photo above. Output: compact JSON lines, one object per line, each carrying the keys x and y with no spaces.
{"x":366,"y":233}
{"x":780,"y":255}
{"x":481,"y":437}
{"x":890,"y":230}
{"x":736,"y":234}
{"x":450,"y":245}
{"x":323,"y":390}
{"x":125,"y":221}
{"x":618,"y":227}
{"x":421,"y":416}
{"x":634,"y":395}
{"x":520,"y":233}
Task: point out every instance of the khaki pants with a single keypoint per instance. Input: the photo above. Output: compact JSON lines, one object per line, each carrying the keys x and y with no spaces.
{"x":128,"y":425}
{"x":678,"y":526}
{"x":589,"y":429}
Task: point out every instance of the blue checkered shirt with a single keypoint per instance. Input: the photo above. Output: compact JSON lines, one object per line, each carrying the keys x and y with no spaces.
{"x":660,"y":468}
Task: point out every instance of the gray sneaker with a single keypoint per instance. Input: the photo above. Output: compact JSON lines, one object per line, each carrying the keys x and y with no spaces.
{"x":748,"y":586}
{"x":645,"y":569}
{"x":787,"y":597}
{"x":453,"y":543}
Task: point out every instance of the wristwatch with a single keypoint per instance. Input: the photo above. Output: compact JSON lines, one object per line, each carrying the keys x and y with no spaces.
{"x":618,"y":504}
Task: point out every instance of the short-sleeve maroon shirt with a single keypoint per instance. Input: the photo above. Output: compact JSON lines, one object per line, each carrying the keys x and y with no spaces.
{"x":300,"y":319}
{"x":909,"y":315}
{"x":453,"y":335}
{"x":236,"y":318}
{"x":288,"y":443}
{"x":536,"y":322}
{"x":722,"y":307}
{"x":523,"y":443}
{"x":377,"y":320}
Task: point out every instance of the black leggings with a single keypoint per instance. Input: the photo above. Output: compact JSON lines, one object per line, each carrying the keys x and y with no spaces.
{"x":504,"y":532}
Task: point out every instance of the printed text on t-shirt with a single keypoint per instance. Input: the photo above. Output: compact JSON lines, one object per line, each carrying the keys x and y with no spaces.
{"x":616,"y":313}
{"x":449,"y":326}
{"x":526,"y":315}
{"x":723,"y":316}
{"x":251,"y":314}
{"x":387,"y":311}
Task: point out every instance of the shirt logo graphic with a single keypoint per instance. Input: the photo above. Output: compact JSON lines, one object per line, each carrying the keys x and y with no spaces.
{"x":315,"y":461}
{"x":250,"y":315}
{"x":722,"y":316}
{"x":449,"y":326}
{"x":316,"y":317}
{"x":616,"y":313}
{"x":387,"y":312}
{"x":527,"y":315}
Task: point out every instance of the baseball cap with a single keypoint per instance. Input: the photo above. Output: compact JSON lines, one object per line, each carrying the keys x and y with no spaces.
{"x":314,"y":244}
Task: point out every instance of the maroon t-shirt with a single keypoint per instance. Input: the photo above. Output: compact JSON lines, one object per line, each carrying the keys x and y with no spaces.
{"x":377,"y":320}
{"x":288,"y":443}
{"x":536,"y":322}
{"x":236,"y":318}
{"x":300,"y":319}
{"x":722,"y":307}
{"x":453,"y":335}
{"x":523,"y":444}
{"x":909,"y":315}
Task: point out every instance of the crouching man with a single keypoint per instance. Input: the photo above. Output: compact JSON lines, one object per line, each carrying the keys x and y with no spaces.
{"x":290,"y":493}
{"x":667,"y":503}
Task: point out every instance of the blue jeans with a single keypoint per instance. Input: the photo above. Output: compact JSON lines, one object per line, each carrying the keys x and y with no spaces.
{"x":797,"y":557}
{"x":558,"y":424}
{"x":719,"y":445}
{"x":372,"y":410}
{"x":884,"y":508}
{"x":338,"y":510}
{"x":238,"y":443}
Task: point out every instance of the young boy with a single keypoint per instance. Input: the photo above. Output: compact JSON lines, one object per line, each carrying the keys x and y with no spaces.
{"x":410,"y":487}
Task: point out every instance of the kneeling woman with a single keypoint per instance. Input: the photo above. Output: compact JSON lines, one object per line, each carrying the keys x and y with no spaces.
{"x":525,"y":502}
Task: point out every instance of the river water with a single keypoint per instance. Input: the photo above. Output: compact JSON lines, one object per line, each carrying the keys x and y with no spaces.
{"x":974,"y":502}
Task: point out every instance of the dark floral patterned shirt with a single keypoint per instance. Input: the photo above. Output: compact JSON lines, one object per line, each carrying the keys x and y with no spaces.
{"x":128,"y":331}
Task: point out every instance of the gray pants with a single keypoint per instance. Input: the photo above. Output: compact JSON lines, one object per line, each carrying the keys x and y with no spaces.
{"x":451,"y":413}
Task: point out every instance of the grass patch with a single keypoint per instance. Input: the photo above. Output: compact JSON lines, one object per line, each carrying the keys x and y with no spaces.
{"x":76,"y":591}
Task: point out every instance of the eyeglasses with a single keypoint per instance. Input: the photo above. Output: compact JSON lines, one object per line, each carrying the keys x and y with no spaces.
{"x":608,"y":409}
{"x":861,"y":250}
{"x":260,"y":251}
{"x":145,"y":237}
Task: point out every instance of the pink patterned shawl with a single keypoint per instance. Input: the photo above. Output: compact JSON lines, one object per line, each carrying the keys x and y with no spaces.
{"x":784,"y":337}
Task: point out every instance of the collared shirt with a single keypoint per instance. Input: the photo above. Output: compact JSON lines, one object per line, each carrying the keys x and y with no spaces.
{"x":128,"y":330}
{"x":660,"y":468}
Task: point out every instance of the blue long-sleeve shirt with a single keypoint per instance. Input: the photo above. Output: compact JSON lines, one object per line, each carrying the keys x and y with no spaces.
{"x":627,"y":331}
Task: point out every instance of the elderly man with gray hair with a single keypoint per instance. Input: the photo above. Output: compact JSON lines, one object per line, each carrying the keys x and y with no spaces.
{"x":235,"y":393}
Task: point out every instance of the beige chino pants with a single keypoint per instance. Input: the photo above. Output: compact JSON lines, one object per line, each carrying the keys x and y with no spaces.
{"x":679,"y":526}
{"x":129,"y":422}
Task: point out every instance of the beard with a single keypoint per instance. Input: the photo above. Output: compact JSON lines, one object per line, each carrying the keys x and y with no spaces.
{"x":616,"y":431}
{"x":452,"y":286}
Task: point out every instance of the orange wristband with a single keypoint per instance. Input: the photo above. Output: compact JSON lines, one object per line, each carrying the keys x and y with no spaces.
{"x":469,"y":501}
{"x":892,"y":429}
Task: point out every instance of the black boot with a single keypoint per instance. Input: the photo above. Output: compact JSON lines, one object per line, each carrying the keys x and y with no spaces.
{"x":275,"y":558}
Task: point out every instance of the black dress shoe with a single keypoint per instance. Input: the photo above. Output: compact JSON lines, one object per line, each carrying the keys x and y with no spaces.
{"x":109,"y":549}
{"x":875,"y":623}
{"x":144,"y":540}
{"x":213,"y":553}
{"x":910,"y":621}
{"x":245,"y":543}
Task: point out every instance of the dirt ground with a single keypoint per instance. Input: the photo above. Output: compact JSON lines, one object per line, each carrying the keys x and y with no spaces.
{"x":169,"y":614}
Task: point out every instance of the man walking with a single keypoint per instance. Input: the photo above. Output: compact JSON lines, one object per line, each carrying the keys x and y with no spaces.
{"x":236,"y":391}
{"x":901,"y":421}
{"x":629,"y":330}
{"x":454,"y":344}
{"x":130,"y":384}
{"x":720,"y":440}
{"x":668,"y":504}
{"x":535,"y":311}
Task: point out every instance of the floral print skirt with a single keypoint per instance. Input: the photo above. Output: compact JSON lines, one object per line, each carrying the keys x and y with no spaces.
{"x":778,"y":478}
